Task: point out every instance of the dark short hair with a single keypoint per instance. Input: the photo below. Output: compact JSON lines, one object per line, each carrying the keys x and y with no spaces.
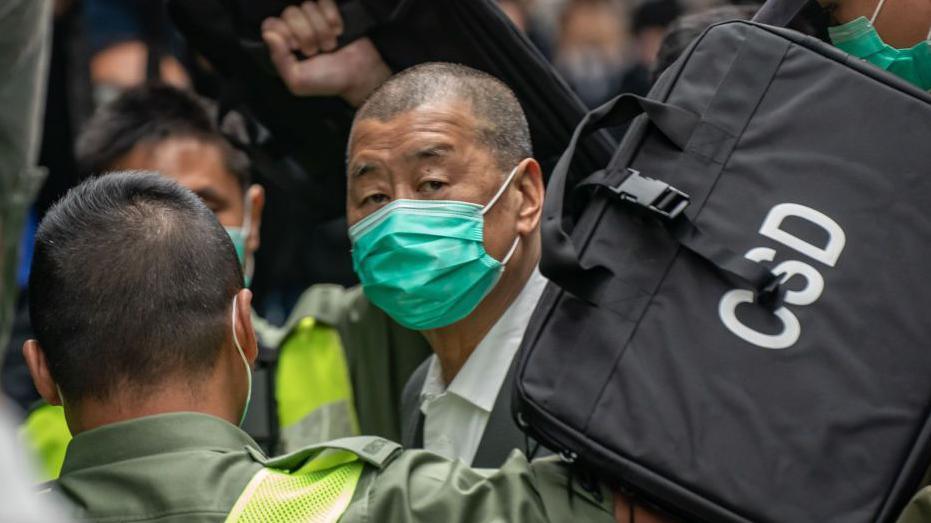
{"x":504,"y":128}
{"x":131,"y":283}
{"x":150,"y":114}
{"x":685,"y":29}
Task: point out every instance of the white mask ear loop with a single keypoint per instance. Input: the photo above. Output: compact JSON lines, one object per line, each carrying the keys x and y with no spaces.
{"x":507,"y":257}
{"x":504,"y":186}
{"x":879,"y":7}
{"x":245,"y":362}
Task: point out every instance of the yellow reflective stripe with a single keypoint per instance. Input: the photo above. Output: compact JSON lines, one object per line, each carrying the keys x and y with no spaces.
{"x":246,"y":495}
{"x":316,"y":497}
{"x":312,"y":373}
{"x":46,"y":433}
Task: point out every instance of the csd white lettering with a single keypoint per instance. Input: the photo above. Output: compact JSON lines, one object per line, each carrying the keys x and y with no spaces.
{"x":814,"y":282}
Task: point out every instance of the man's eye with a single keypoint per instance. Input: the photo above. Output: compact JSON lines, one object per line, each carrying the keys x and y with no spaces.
{"x":431,"y":186}
{"x":377,"y":199}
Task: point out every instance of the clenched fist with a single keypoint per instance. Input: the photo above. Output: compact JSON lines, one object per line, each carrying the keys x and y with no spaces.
{"x":352,"y":72}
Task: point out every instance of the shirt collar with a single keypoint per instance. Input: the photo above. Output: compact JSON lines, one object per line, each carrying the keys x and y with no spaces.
{"x":152,"y":435}
{"x":480,"y":379}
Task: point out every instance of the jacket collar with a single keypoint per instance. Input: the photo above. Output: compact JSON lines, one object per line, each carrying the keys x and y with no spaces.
{"x":152,"y":435}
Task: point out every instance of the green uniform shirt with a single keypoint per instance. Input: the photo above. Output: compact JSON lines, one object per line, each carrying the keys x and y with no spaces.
{"x":194,"y":467}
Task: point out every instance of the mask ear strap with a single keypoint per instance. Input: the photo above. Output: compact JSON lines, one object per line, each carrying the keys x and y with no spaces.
{"x":235,"y":337}
{"x":498,"y":194}
{"x":507,"y":257}
{"x":879,"y":7}
{"x":245,"y":362}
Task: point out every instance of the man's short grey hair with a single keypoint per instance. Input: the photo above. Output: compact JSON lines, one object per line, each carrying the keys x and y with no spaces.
{"x":502,"y":124}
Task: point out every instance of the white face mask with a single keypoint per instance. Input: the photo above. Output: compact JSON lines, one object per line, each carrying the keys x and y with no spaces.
{"x":245,"y":362}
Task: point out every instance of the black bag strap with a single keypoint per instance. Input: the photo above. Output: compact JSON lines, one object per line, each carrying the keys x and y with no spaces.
{"x":560,"y":260}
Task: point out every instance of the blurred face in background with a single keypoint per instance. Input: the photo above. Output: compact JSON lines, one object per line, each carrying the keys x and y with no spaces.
{"x":516,"y":11}
{"x":593,"y":40}
{"x":199,"y":166}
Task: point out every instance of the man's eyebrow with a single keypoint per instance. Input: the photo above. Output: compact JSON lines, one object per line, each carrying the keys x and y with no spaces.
{"x":361,"y":169}
{"x":433,"y":151}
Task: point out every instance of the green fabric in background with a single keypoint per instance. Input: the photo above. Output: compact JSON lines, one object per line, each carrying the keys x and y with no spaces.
{"x":24,"y":54}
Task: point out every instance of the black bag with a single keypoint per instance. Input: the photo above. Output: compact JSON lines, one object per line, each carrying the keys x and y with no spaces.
{"x":690,"y":374}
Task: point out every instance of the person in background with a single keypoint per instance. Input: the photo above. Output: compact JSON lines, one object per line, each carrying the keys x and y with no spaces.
{"x":650,"y":20}
{"x":685,"y":29}
{"x":131,"y":42}
{"x":516,"y":11}
{"x":154,"y":375}
{"x":894,"y":35}
{"x":593,"y":48}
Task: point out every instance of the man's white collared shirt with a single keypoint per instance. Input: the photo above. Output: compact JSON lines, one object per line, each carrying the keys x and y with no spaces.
{"x":455,"y":416}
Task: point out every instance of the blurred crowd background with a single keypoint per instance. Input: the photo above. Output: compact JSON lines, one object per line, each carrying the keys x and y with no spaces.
{"x":100,"y":47}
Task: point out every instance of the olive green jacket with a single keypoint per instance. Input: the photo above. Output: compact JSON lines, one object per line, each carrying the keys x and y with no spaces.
{"x":193,"y":467}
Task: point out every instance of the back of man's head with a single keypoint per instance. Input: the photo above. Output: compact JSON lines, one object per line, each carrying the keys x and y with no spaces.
{"x":131,"y":284}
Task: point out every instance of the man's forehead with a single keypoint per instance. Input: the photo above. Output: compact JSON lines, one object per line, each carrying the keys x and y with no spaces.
{"x":453,"y":119}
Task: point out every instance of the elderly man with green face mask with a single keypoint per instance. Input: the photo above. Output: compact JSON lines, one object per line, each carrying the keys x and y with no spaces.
{"x":444,"y":203}
{"x":444,"y":207}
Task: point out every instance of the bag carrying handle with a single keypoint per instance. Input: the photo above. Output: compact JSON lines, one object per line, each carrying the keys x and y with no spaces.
{"x":559,"y":258}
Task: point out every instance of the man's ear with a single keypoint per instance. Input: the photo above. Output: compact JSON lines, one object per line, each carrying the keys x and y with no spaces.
{"x":245,"y":331}
{"x":530,"y":185}
{"x":256,"y":197}
{"x":38,"y":368}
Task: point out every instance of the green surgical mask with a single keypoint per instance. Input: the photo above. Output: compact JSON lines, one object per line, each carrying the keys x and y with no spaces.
{"x":240,"y":237}
{"x":859,"y":38}
{"x":423,"y":262}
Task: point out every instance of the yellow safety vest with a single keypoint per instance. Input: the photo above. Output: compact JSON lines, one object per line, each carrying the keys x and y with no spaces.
{"x":315,"y":484}
{"x":46,"y":434}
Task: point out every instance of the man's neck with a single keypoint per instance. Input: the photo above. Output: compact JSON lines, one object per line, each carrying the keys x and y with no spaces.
{"x":91,"y":413}
{"x":454,"y":344}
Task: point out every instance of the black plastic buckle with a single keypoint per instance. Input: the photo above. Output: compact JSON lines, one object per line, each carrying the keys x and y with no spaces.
{"x":657,"y":196}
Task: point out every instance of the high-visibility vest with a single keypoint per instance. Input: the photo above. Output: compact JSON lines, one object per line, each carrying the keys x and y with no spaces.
{"x":314,"y":484}
{"x":46,"y":434}
{"x":313,"y":388}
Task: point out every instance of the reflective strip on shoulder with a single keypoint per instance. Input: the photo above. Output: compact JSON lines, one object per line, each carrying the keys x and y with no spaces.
{"x":318,"y":497}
